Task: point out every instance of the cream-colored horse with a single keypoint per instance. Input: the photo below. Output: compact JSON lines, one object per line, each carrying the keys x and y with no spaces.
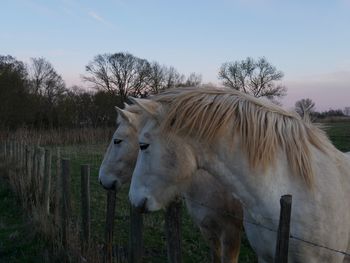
{"x":216,"y":212}
{"x":259,"y":152}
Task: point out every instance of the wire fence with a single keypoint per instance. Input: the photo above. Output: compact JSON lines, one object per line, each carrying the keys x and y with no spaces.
{"x":244,"y":220}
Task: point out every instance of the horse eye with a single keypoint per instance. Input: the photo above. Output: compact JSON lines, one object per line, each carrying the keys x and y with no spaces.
{"x":143,"y":146}
{"x":117,"y":141}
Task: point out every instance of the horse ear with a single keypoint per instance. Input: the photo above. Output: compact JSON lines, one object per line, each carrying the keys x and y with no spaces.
{"x":126,"y":115}
{"x":149,"y":106}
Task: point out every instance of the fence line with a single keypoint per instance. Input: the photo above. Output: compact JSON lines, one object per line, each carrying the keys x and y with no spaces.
{"x":268,"y":228}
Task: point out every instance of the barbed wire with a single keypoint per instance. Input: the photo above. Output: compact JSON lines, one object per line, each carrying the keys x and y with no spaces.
{"x":291,"y":236}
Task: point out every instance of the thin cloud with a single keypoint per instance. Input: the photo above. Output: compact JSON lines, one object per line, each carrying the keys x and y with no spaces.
{"x":98,"y":18}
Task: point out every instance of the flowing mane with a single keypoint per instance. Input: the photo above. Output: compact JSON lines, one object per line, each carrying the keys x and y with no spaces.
{"x":263,"y":127}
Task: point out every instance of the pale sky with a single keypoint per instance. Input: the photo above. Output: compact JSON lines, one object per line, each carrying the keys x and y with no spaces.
{"x":308,"y":40}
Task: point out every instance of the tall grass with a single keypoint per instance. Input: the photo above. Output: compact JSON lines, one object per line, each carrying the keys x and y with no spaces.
{"x":59,"y":136}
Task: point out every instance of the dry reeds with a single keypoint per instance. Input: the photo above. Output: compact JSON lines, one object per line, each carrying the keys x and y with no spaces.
{"x":59,"y":136}
{"x":24,"y":168}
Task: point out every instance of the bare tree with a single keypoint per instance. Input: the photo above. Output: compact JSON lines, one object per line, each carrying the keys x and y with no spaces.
{"x":163,"y":77}
{"x":257,"y":78}
{"x":119,"y":73}
{"x":157,"y":79}
{"x":173,"y":78}
{"x":123,"y":74}
{"x":140,"y":82}
{"x":100,"y":73}
{"x":193,"y":80}
{"x":45,"y":80}
{"x":305,"y":107}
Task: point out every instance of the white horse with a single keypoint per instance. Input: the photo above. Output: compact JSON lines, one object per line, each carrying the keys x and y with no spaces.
{"x":259,"y":152}
{"x":216,"y":212}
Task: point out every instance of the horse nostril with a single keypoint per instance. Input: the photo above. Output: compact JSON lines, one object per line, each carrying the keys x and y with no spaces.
{"x":142,"y":207}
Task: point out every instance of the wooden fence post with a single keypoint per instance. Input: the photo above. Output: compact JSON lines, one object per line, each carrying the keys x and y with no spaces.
{"x":85,"y":206}
{"x":58,"y":185}
{"x":15,"y":153}
{"x":10,"y":156}
{"x":40,"y":160}
{"x":28,"y":162}
{"x":136,"y":236}
{"x":173,"y":231}
{"x":282,"y":242}
{"x":11,"y":150}
{"x":111,"y":200}
{"x":34,"y":166}
{"x":47,"y":182}
{"x":23,"y":156}
{"x":5,"y":150}
{"x":8,"y":149}
{"x":65,"y":179}
{"x":2,"y":149}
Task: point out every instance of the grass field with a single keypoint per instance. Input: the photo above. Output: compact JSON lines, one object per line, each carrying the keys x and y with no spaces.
{"x":339,"y":133}
{"x":194,"y":248}
{"x":18,"y":242}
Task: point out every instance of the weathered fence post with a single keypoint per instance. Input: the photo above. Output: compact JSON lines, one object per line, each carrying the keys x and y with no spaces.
{"x":5,"y":150}
{"x":282,"y":242}
{"x":11,"y":150}
{"x":40,"y":160}
{"x":8,"y":150}
{"x":85,"y":206}
{"x":34,"y":167}
{"x":23,"y":156}
{"x":28,"y":172}
{"x":41,"y":164}
{"x":58,"y":185}
{"x":28,"y":161}
{"x":173,"y":231}
{"x":47,"y":182}
{"x":111,"y":200}
{"x":18,"y":153}
{"x":136,"y":237}
{"x":65,"y":179}
{"x":15,"y":152}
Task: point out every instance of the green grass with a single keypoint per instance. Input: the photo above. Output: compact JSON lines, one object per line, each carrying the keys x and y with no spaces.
{"x":339,"y":133}
{"x":18,"y":243}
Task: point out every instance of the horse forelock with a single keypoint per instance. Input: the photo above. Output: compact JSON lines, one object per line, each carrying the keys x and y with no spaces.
{"x":263,"y":128}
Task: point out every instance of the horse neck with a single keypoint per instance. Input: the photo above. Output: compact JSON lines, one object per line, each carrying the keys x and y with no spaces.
{"x":252,"y":187}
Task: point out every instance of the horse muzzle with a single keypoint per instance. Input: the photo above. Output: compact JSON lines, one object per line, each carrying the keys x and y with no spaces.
{"x":141,"y":207}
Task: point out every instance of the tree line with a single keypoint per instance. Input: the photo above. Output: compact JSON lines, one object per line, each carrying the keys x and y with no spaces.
{"x":34,"y":95}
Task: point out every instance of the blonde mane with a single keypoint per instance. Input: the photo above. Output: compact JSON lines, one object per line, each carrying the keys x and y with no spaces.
{"x":263,"y":127}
